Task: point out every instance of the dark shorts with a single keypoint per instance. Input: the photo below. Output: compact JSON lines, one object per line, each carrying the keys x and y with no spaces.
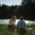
{"x":21,"y":31}
{"x":10,"y":27}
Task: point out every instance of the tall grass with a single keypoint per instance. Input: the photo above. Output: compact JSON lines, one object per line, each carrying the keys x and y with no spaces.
{"x":4,"y":31}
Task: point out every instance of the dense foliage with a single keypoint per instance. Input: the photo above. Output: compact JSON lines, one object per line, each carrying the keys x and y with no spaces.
{"x":27,"y":11}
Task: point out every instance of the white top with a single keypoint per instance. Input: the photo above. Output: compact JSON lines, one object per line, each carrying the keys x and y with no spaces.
{"x":21,"y":24}
{"x":11,"y":22}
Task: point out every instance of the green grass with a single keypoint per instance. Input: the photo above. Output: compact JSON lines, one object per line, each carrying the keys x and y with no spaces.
{"x":4,"y":31}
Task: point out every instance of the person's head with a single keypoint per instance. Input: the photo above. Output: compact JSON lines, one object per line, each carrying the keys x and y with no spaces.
{"x":21,"y":17}
{"x":14,"y":17}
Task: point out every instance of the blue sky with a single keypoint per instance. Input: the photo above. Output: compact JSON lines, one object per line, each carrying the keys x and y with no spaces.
{"x":11,"y":2}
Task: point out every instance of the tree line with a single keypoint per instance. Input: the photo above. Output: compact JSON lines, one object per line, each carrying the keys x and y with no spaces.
{"x":27,"y":11}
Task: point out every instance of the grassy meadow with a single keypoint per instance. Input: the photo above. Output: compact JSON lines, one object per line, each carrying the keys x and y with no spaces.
{"x":4,"y":31}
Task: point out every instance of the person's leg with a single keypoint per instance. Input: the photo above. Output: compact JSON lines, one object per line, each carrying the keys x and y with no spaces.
{"x":22,"y":31}
{"x":8,"y":27}
{"x":10,"y":30}
{"x":19,"y":32}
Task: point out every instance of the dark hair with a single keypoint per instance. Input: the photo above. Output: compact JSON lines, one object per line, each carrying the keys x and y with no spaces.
{"x":21,"y":17}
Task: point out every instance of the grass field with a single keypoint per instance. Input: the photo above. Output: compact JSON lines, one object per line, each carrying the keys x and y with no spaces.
{"x":4,"y":31}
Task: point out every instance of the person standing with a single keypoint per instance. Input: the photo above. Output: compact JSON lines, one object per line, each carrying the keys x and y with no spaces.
{"x":11,"y":25}
{"x":21,"y":26}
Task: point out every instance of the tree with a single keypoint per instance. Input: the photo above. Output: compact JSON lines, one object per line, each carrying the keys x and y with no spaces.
{"x":25,"y":2}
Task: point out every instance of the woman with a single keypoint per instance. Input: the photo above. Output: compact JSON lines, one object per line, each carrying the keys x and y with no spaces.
{"x":11,"y":25}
